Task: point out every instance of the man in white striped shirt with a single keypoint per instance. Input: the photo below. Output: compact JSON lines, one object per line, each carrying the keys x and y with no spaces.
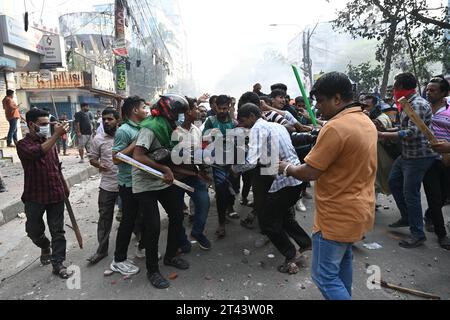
{"x":270,"y":142}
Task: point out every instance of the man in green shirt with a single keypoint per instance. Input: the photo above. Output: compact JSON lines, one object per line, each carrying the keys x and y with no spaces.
{"x":155,"y":135}
{"x":226,"y":185}
{"x":133,"y":113}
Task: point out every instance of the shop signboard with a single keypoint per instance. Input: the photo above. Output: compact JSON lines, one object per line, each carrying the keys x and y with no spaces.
{"x":54,"y":52}
{"x":103,"y":80}
{"x":13,"y":33}
{"x":57,"y":80}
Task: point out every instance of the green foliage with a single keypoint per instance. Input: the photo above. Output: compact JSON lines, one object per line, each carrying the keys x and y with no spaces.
{"x":366,"y":77}
{"x":391,"y":22}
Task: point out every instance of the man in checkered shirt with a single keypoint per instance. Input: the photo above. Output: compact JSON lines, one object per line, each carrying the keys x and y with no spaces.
{"x":409,"y":169}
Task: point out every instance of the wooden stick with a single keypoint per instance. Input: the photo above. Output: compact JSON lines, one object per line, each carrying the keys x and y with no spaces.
{"x":410,"y":291}
{"x":75,"y":227}
{"x":422,"y":126}
{"x":153,"y":172}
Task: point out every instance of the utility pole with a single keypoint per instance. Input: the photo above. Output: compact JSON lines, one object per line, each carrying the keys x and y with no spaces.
{"x":307,"y":61}
{"x":120,"y":47}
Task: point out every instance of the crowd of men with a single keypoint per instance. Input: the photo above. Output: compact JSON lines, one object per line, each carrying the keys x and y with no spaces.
{"x":357,"y":150}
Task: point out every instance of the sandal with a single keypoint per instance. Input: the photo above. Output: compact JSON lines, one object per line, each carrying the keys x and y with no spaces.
{"x":46,"y":256}
{"x":62,"y":272}
{"x":289,"y":267}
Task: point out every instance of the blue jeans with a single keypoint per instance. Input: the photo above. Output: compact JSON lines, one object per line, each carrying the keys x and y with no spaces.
{"x":12,"y":133}
{"x":405,"y":181}
{"x":332,"y":267}
{"x":200,"y":197}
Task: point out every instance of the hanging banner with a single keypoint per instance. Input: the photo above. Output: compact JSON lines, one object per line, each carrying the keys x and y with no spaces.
{"x":121,"y":76}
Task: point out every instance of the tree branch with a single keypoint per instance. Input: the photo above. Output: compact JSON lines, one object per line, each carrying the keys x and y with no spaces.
{"x":383,"y":9}
{"x":415,"y":13}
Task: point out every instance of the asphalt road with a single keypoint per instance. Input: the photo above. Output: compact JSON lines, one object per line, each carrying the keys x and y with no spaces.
{"x":224,"y":272}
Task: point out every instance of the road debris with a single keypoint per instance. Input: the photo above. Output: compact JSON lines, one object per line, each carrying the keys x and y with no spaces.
{"x":407,"y":290}
{"x":173,"y":276}
{"x":372,"y":246}
{"x":108,"y":273}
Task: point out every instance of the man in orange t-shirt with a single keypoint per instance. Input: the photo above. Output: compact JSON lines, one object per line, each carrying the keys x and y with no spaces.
{"x":344,"y":163}
{"x":12,"y":115}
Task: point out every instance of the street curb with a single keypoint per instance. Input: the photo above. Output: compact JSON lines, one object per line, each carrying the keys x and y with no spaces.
{"x":16,"y":206}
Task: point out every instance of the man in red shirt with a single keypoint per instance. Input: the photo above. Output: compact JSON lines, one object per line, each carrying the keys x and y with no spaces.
{"x":12,"y":115}
{"x":45,"y":188}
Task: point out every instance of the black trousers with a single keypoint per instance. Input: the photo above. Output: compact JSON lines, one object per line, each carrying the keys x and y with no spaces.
{"x":172,"y":203}
{"x":35,"y":228}
{"x":246,"y":183}
{"x":106,"y":203}
{"x":130,"y":210}
{"x":261,"y":185}
{"x":436,"y":184}
{"x":278,"y":223}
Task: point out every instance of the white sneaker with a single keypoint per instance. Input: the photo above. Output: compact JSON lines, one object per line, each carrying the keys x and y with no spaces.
{"x":300,"y":206}
{"x":261,"y":242}
{"x":125,"y":268}
{"x":140,"y":253}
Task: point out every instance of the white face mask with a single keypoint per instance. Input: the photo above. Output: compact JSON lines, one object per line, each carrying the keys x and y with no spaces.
{"x":181,"y":118}
{"x":44,"y":132}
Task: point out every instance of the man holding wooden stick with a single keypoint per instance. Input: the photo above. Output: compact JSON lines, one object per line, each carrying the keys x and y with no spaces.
{"x":45,"y":189}
{"x":155,"y":136}
{"x":410,"y":167}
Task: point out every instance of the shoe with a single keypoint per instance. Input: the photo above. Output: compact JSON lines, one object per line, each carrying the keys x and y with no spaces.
{"x":97,"y":257}
{"x":300,"y":206}
{"x":220,"y":232}
{"x":2,"y":189}
{"x":399,"y":224}
{"x":185,"y":248}
{"x":261,"y":242}
{"x":61,"y":271}
{"x":140,"y":253}
{"x":429,"y":226}
{"x":233,"y":215}
{"x":11,"y":146}
{"x":177,"y":262}
{"x":157,"y":280}
{"x":202,"y":240}
{"x":307,"y":195}
{"x":444,"y":242}
{"x":125,"y":268}
{"x":412,"y":242}
{"x":46,"y":255}
{"x":81,"y":161}
{"x":290,"y":265}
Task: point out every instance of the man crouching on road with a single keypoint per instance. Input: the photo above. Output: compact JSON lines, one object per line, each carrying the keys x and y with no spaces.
{"x":344,"y":163}
{"x":45,"y":188}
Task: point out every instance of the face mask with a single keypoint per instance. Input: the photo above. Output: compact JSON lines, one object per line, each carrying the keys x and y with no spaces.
{"x":198,"y":123}
{"x":181,"y":118}
{"x":44,"y":132}
{"x":402,"y":93}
